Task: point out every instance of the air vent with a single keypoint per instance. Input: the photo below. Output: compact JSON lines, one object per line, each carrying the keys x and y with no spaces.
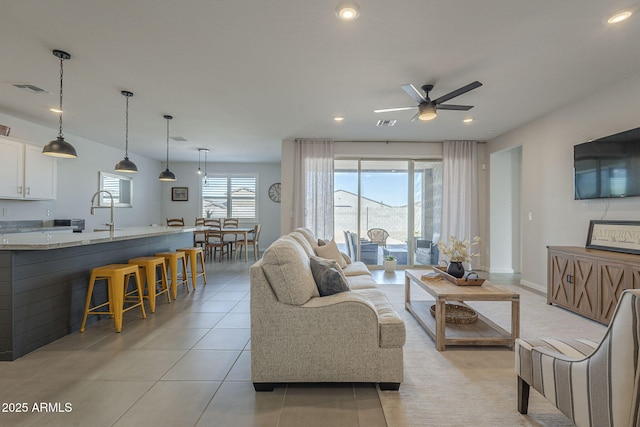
{"x":386,"y":122}
{"x":178,"y":139}
{"x":30,"y":88}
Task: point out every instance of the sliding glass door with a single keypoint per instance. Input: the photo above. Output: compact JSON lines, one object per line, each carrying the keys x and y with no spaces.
{"x":387,"y":207}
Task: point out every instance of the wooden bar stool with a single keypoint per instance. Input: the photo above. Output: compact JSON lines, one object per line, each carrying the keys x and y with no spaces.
{"x":117,"y":277}
{"x":150,"y":266}
{"x":193,"y":254}
{"x":172,"y":258}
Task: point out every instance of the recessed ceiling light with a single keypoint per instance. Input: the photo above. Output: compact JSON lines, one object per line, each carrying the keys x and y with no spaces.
{"x":338,"y":118}
{"x":468,"y":120}
{"x":55,"y":110}
{"x":619,"y":17}
{"x":348,"y":12}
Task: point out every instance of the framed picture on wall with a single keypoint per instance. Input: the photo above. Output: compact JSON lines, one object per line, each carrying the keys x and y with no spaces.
{"x":617,"y":236}
{"x":180,"y":194}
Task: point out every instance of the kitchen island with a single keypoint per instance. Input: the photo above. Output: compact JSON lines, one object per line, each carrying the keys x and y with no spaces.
{"x":44,"y":278}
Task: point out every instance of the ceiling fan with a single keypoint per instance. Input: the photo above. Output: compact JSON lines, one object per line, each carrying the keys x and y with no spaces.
{"x":427,"y":109}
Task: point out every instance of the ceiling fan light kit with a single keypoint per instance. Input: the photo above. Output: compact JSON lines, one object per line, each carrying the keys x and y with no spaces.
{"x":427,"y":111}
{"x":59,"y":147}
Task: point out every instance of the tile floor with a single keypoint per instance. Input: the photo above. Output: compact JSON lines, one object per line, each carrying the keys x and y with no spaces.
{"x":188,"y":364}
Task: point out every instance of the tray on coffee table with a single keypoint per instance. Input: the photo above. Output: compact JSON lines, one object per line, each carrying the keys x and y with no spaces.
{"x":470,"y":278}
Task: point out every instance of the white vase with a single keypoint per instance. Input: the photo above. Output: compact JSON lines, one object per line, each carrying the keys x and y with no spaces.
{"x":389,"y":266}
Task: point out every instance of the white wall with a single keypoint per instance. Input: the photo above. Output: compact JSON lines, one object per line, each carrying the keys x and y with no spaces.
{"x":78,"y":180}
{"x":268,"y":211}
{"x":547,"y":172}
{"x":504,"y":222}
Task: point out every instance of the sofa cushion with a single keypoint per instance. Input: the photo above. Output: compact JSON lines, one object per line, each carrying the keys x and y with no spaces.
{"x":331,"y":251}
{"x":355,"y":269}
{"x":304,"y":243}
{"x":392,"y":330}
{"x":286,"y":266}
{"x":362,"y":281}
{"x":329,"y":279}
{"x":308,"y":234}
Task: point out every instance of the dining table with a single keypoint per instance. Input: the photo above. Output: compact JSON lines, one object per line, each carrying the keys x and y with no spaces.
{"x":244,"y":231}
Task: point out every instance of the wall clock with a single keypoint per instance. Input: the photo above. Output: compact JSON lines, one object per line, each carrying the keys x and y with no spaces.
{"x":274,"y":192}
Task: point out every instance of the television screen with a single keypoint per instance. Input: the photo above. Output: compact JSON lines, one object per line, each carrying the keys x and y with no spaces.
{"x":608,"y":167}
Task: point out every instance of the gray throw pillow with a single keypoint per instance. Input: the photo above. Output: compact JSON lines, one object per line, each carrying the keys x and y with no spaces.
{"x":328,"y":279}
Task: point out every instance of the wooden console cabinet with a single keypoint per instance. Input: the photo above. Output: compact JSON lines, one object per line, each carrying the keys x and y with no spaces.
{"x":589,"y":281}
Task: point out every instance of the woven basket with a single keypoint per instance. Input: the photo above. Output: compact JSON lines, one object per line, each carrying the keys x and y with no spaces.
{"x":455,"y":313}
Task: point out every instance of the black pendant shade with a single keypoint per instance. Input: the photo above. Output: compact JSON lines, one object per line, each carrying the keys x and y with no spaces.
{"x":126,"y":165}
{"x":167,"y":175}
{"x":59,"y":147}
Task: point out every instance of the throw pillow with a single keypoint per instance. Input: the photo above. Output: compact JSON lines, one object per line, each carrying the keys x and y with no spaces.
{"x":322,"y":242}
{"x":328,"y":279}
{"x":331,"y":251}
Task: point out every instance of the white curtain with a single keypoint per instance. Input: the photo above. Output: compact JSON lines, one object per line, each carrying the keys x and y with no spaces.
{"x":313,"y":186}
{"x":460,"y":191}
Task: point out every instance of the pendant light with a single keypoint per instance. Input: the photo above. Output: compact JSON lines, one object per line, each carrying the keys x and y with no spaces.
{"x":167,"y":175}
{"x":205,"y":167}
{"x":200,"y":150}
{"x":126,"y":165}
{"x":59,"y":147}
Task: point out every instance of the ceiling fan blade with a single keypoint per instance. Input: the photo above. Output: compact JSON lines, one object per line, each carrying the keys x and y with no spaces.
{"x":458,"y":92}
{"x":388,"y":110}
{"x":414,"y":118}
{"x":413,"y":93}
{"x":454,"y":107}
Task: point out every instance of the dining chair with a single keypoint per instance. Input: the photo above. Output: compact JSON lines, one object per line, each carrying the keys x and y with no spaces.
{"x":254,"y":241}
{"x":175,"y":222}
{"x":199,"y":235}
{"x":232,"y":239}
{"x":214,"y":239}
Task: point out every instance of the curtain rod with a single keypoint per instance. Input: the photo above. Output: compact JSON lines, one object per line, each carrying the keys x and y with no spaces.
{"x":396,"y":141}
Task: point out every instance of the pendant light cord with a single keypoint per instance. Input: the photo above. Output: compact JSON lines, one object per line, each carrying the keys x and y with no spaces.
{"x":60,"y":115}
{"x":167,"y":143}
{"x":126,"y":132}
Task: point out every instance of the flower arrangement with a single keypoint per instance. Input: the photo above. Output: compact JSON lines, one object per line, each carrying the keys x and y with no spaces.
{"x":459,"y":250}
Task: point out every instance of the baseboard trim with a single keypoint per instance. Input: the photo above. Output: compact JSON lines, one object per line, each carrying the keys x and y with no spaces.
{"x":534,"y":286}
{"x":502,"y":270}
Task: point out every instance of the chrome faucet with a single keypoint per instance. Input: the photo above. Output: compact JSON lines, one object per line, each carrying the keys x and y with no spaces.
{"x":111,"y":224}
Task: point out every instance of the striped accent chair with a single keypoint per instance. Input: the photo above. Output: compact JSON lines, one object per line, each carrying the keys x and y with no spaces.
{"x":593,"y":384}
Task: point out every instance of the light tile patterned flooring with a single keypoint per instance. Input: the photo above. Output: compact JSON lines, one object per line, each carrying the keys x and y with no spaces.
{"x":188,"y":364}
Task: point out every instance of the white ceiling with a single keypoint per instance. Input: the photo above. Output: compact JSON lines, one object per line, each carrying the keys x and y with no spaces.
{"x":239,"y":76}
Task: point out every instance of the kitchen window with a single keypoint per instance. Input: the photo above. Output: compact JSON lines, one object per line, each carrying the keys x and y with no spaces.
{"x":229,"y":196}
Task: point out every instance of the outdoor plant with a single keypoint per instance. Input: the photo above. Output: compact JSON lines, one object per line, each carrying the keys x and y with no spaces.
{"x":460,"y":250}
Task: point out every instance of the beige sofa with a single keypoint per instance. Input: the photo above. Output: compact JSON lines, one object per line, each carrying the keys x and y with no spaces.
{"x":299,"y":336}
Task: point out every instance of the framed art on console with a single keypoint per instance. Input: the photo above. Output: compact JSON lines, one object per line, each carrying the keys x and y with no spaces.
{"x":617,"y":236}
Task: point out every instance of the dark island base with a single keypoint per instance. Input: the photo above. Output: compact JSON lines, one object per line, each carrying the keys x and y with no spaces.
{"x":43,"y":292}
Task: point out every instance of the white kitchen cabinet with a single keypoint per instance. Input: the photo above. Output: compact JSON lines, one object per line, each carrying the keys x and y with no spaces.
{"x":25,"y":173}
{"x":40,"y":174}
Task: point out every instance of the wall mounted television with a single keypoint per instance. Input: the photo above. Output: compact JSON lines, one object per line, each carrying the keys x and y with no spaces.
{"x":608,"y":167}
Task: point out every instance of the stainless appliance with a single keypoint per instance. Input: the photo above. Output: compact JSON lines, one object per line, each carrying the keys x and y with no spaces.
{"x":77,"y":224}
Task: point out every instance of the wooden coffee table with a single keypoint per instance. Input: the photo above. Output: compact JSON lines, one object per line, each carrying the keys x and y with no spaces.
{"x":481,"y":332}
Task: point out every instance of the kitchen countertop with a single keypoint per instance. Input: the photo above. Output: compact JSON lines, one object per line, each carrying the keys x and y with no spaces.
{"x":11,"y":230}
{"x":42,"y":240}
